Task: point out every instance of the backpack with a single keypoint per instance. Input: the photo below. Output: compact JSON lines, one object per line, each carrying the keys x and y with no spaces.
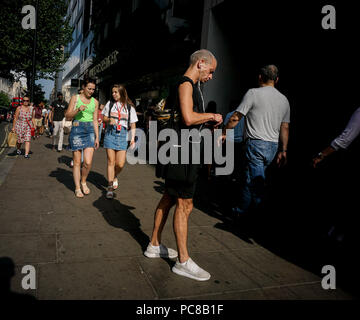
{"x":128,"y":107}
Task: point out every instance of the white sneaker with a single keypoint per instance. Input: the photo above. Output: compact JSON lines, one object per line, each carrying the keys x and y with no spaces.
{"x":191,"y":270}
{"x":160,"y":252}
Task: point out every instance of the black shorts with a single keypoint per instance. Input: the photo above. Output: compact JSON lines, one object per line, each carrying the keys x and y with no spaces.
{"x":180,"y":189}
{"x":183,"y":189}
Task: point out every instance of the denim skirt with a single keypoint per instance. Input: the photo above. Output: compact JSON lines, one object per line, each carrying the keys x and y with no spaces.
{"x":114,"y":139}
{"x":82,"y":135}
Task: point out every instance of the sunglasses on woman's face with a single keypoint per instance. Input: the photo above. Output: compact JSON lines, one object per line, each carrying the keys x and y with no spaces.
{"x":25,"y":100}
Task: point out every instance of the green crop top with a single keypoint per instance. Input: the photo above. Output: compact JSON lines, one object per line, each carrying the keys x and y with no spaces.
{"x":88,"y":114}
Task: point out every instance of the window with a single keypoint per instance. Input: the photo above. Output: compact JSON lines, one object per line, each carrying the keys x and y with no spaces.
{"x":79,"y":26}
{"x":91,"y":47}
{"x":87,"y":12}
{"x":106,"y":30}
{"x":73,"y":36}
{"x":85,"y":54}
{"x":117,"y":19}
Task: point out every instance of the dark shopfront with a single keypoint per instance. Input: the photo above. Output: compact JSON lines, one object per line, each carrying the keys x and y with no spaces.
{"x":145,"y":47}
{"x":142,"y":80}
{"x":318,"y":74}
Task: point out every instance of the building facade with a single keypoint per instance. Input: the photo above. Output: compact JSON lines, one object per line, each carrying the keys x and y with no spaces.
{"x":72,"y":66}
{"x":12,"y":88}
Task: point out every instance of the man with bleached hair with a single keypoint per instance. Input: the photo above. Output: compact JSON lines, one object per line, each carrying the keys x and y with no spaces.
{"x":180,"y":184}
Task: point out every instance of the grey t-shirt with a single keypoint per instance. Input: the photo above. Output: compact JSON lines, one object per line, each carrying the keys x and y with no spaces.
{"x":265,"y":109}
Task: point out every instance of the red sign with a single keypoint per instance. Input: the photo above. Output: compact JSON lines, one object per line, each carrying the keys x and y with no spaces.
{"x":16,"y":101}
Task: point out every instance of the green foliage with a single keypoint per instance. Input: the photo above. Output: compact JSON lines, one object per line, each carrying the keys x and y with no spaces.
{"x":39,"y":94}
{"x":4,"y":99}
{"x":16,"y":44}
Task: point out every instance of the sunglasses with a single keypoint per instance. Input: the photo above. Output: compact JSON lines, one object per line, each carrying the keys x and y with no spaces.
{"x":26,"y":100}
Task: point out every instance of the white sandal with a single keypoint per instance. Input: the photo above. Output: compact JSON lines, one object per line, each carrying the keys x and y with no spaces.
{"x":85,"y":188}
{"x":115,"y":183}
{"x":78,"y":193}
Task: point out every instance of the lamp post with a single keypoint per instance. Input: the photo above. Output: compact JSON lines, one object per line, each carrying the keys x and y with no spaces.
{"x":34,"y":53}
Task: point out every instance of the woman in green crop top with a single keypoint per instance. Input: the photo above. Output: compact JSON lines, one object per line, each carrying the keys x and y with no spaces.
{"x":84,"y":135}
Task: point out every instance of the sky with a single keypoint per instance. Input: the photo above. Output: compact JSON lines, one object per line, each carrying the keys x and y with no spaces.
{"x":48,"y":85}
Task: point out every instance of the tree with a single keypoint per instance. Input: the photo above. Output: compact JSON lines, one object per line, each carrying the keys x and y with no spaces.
{"x":39,"y":94}
{"x":4,"y":99}
{"x":16,"y":44}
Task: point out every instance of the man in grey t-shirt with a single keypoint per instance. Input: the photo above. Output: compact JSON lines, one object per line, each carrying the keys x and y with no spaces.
{"x":267,"y":121}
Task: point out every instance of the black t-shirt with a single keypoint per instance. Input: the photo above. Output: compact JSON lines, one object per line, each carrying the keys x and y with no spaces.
{"x":59,"y":109}
{"x":197,"y":102}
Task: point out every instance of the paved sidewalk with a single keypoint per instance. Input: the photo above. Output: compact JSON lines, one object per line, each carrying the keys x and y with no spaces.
{"x":92,"y":248}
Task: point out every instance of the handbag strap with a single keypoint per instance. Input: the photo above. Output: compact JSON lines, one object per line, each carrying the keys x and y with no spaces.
{"x":28,"y":123}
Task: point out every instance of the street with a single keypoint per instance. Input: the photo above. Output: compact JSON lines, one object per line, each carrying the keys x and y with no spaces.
{"x":92,"y":248}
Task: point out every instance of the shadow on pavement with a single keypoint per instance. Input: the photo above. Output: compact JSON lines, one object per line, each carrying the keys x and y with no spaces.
{"x":7,"y":271}
{"x":65,"y":159}
{"x":120,"y":216}
{"x":293,"y":222}
{"x":66,"y":178}
{"x":13,"y":153}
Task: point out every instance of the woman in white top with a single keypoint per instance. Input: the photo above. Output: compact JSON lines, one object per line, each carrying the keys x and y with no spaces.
{"x":120,"y":116}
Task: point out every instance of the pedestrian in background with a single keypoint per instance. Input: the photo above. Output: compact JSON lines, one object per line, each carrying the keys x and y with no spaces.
{"x":48,"y":122}
{"x":43,"y":115}
{"x":84,"y":135}
{"x":267,"y":124}
{"x":22,"y":124}
{"x":59,"y":108}
{"x":100,"y":120}
{"x":38,"y":118}
{"x":120,"y":115}
{"x":236,"y":137}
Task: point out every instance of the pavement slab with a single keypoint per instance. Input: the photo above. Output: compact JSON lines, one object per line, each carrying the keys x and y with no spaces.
{"x":94,"y":280}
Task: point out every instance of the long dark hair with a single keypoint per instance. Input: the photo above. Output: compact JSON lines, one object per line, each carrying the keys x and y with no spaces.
{"x":86,"y":81}
{"x":124,"y":98}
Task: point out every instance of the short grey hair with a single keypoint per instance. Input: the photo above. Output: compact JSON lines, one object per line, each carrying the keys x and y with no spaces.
{"x":202,"y":54}
{"x":269,"y":72}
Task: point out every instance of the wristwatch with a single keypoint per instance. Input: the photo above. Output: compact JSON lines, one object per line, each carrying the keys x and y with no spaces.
{"x":320,"y":155}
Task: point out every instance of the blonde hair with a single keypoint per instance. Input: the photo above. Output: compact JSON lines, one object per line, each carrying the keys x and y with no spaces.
{"x":202,"y":54}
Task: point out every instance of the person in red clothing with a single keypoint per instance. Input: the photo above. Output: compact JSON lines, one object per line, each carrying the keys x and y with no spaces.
{"x":23,"y":122}
{"x":37,"y":115}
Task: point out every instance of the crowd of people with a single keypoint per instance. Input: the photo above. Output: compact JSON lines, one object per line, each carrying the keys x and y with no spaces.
{"x":261,"y":133}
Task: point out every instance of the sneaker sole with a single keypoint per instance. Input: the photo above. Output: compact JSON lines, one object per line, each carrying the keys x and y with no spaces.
{"x":185,"y":274}
{"x":155,"y":255}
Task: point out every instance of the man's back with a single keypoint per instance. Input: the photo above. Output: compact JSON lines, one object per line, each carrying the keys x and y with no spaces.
{"x":265,"y":109}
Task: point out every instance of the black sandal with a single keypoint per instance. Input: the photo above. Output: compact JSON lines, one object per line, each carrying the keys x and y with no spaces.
{"x":110,"y":192}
